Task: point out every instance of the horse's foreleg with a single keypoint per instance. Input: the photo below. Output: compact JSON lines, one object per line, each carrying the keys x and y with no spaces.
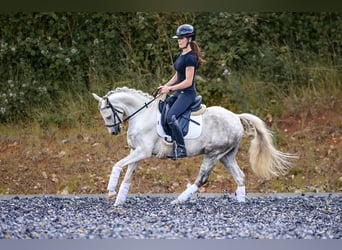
{"x":207,"y":165}
{"x":125,"y":185}
{"x":134,"y":156}
{"x":231,"y":165}
{"x":113,"y":181}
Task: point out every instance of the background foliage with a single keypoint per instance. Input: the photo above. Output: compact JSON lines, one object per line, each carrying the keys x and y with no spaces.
{"x":50,"y":62}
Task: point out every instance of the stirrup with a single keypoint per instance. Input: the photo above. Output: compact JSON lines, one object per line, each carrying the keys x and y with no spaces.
{"x":178,"y":152}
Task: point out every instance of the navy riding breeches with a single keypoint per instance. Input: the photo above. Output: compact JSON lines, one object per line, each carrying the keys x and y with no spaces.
{"x":181,"y":104}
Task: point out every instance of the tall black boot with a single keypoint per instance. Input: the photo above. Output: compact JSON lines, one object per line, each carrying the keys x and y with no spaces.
{"x":179,"y":150}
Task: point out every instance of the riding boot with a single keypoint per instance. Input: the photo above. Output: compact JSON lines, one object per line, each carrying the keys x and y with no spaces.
{"x":179,"y":150}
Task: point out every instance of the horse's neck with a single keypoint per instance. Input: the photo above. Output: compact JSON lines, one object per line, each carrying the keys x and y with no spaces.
{"x":132,"y":102}
{"x":142,"y":113}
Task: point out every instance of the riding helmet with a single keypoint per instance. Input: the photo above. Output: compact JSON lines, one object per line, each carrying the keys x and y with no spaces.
{"x":185,"y":30}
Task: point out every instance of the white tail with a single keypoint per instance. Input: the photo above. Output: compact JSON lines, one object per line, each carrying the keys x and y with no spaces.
{"x":266,"y":161}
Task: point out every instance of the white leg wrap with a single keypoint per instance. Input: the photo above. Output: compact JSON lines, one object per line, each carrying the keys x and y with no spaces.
{"x":241,"y":194}
{"x":187,"y":193}
{"x":113,"y":180}
{"x":122,"y":195}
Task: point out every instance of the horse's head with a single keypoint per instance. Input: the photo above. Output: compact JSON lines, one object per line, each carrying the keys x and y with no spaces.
{"x":111,"y":115}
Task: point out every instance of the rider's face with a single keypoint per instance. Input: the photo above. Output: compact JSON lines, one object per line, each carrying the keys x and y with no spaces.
{"x":182,"y":42}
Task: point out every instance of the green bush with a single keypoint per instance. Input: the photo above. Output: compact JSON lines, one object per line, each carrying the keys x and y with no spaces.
{"x":48,"y":59}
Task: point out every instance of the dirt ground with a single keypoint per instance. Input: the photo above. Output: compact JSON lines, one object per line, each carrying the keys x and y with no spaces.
{"x":79,"y":160}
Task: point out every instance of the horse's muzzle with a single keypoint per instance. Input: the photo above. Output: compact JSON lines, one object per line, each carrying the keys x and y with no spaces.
{"x":115,"y":130}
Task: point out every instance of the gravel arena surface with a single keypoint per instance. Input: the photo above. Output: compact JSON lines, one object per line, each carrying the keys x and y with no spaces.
{"x":203,"y":216}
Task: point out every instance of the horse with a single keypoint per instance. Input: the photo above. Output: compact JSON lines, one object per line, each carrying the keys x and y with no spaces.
{"x":222,"y":131}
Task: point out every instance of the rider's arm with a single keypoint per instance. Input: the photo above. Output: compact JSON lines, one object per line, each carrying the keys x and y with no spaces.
{"x":189,"y":76}
{"x":172,"y":81}
{"x":167,"y":86}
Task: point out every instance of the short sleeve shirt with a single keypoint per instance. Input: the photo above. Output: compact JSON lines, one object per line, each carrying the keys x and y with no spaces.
{"x":183,"y":61}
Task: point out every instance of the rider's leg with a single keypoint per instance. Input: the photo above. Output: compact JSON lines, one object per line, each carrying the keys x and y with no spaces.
{"x":179,"y":147}
{"x":180,"y":105}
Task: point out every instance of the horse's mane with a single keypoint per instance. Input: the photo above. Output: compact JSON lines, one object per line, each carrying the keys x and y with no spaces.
{"x":126,"y":89}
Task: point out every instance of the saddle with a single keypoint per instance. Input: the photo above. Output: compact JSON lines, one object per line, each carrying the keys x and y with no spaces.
{"x":185,"y":118}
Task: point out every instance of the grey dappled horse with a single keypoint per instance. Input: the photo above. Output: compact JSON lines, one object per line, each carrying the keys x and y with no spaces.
{"x":221,"y":134}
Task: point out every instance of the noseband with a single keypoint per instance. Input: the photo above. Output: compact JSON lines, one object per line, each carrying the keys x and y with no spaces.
{"x":115,"y":114}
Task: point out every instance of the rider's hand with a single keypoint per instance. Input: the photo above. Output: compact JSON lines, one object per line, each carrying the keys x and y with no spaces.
{"x":159,"y":88}
{"x":164,"y":89}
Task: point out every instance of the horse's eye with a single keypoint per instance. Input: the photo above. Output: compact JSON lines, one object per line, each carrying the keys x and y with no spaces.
{"x":108,"y":117}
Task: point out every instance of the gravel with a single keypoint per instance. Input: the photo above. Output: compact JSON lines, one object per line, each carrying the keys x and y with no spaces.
{"x":220,"y":216}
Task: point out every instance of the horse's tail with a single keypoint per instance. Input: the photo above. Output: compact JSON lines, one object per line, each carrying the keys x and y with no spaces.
{"x":266,"y":161}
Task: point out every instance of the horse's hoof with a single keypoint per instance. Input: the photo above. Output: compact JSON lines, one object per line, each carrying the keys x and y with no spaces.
{"x":111,"y":196}
{"x":175,"y":202}
{"x":241,"y":199}
{"x":241,"y":194}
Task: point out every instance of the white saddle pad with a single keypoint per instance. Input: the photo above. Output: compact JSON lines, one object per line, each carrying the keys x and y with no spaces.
{"x":194,"y":132}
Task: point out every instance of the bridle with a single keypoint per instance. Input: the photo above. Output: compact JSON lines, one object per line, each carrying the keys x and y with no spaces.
{"x":115,"y":111}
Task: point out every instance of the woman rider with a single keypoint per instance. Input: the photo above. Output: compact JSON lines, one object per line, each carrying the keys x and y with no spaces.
{"x":183,"y":84}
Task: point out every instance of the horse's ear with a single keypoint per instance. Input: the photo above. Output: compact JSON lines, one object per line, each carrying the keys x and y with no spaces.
{"x":97,"y":97}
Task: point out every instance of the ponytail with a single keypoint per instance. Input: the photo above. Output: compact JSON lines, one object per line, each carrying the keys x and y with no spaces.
{"x":197,"y":50}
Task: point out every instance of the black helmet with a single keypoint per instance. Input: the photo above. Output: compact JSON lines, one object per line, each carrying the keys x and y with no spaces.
{"x":185,"y":30}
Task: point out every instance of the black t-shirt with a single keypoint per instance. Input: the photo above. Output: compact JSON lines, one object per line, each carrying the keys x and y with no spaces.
{"x":187,"y":60}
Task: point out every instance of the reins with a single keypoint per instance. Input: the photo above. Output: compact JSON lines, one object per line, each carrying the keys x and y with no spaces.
{"x":115,"y":111}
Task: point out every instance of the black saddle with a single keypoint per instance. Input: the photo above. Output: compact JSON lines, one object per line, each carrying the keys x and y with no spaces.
{"x":184,"y":119}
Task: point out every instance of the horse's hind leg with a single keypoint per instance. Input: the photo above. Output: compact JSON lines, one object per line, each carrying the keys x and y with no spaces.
{"x":207,"y":165}
{"x":231,"y":165}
